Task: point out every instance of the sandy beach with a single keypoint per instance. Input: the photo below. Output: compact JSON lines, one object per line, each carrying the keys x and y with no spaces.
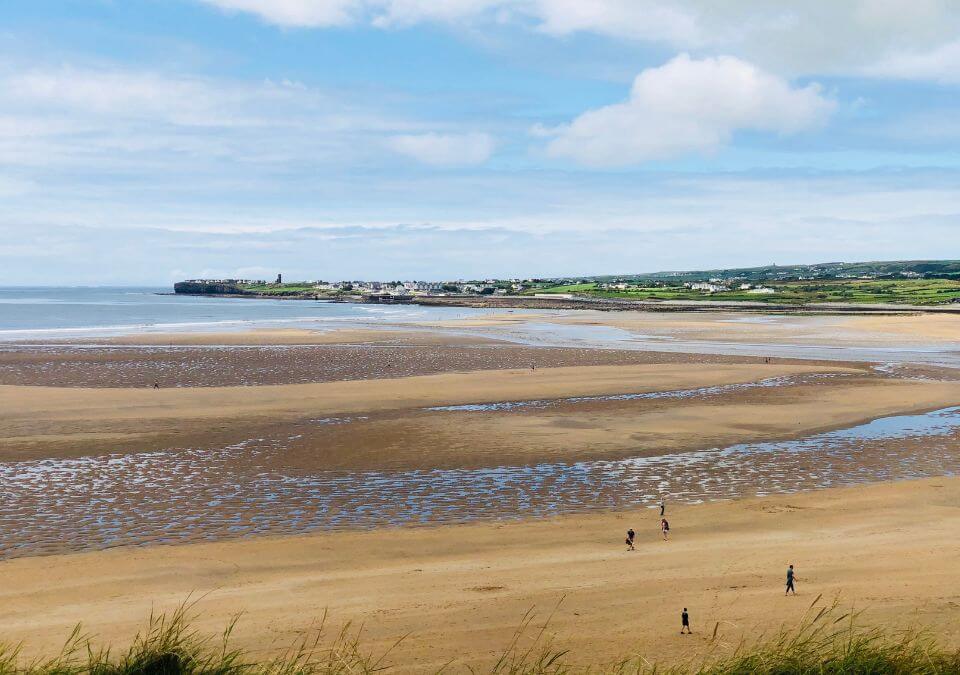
{"x":441,"y":480}
{"x":891,"y":330}
{"x":47,"y":421}
{"x":459,"y":592}
{"x":408,"y":315}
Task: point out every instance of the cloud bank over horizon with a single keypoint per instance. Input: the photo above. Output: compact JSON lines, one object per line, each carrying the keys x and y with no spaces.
{"x":420,"y":137}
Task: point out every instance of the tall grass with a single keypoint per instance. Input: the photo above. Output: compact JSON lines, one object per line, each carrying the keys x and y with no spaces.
{"x":826,"y":642}
{"x":829,"y":644}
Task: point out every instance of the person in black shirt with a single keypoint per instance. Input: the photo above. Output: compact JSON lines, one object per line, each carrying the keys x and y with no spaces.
{"x":685,"y":622}
{"x":630,"y":535}
{"x":790,"y":581}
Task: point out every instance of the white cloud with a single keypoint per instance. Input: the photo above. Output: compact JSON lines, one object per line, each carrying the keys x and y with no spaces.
{"x":652,"y":21}
{"x":941,"y":64}
{"x":124,"y":119}
{"x":679,"y":221}
{"x":687,"y":105}
{"x":304,"y":13}
{"x":791,"y":37}
{"x":445,"y":149}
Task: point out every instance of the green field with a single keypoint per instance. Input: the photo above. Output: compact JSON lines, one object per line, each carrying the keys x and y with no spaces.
{"x":282,"y":289}
{"x":570,"y":288}
{"x":898,"y":291}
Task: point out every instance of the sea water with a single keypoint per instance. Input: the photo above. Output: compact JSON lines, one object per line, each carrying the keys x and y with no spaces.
{"x":52,"y":313}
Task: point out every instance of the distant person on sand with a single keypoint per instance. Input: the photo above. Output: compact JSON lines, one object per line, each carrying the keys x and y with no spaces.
{"x":630,"y":535}
{"x":663,"y":506}
{"x":156,"y":385}
{"x":685,"y":622}
{"x":664,"y":528}
{"x":790,"y":581}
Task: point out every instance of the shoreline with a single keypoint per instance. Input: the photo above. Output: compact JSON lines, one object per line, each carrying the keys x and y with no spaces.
{"x":285,"y":472}
{"x":607,"y":304}
{"x":351,"y":455}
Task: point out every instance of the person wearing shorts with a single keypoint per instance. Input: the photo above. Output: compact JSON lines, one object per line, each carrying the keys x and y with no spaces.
{"x":630,"y":536}
{"x":664,"y":528}
{"x":685,"y":622}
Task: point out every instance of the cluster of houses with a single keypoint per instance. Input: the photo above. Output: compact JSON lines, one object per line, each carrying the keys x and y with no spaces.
{"x":408,"y":288}
{"x":711,"y":286}
{"x":719,"y":286}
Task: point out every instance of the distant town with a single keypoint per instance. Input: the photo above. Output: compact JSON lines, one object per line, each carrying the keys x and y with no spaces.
{"x":920,"y":283}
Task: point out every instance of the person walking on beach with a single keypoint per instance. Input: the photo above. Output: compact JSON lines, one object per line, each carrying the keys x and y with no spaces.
{"x":664,"y":528}
{"x":685,"y":622}
{"x":156,"y":385}
{"x":790,"y":578}
{"x":630,"y":535}
{"x":663,"y":506}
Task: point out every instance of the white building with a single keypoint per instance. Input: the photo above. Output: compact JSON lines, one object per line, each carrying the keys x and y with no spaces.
{"x":707,"y":287}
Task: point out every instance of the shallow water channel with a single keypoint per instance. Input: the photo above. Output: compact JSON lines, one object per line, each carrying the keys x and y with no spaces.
{"x":98,"y":502}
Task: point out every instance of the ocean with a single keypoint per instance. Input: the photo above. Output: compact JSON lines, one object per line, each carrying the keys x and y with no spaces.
{"x":77,"y":312}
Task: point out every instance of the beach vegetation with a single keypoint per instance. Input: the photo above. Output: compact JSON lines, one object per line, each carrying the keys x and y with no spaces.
{"x":826,"y":641}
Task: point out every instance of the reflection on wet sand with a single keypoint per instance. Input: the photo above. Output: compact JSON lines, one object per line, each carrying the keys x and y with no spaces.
{"x":717,"y":390}
{"x":58,"y":505}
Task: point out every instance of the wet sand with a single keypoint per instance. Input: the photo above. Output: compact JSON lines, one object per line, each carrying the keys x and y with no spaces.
{"x":284,"y":432}
{"x":59,"y":421}
{"x":97,"y":468}
{"x":285,"y":485}
{"x":233,"y":360}
{"x":459,"y":592}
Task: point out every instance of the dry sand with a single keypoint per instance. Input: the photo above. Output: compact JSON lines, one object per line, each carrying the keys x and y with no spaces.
{"x":753,"y":328}
{"x":375,"y":395}
{"x":460,"y":591}
{"x":918,"y":327}
{"x":60,"y":422}
{"x":67,"y":422}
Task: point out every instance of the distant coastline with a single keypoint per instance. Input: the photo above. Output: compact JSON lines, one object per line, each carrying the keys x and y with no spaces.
{"x":570,"y":302}
{"x":903,"y":286}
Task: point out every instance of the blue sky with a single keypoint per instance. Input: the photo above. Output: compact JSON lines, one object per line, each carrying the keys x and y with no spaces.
{"x":143,"y":141}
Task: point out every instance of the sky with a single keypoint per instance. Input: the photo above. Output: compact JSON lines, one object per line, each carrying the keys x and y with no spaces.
{"x":147,"y":141}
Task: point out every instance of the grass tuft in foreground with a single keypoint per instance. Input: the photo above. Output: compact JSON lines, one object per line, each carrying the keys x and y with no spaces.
{"x":826,"y":642}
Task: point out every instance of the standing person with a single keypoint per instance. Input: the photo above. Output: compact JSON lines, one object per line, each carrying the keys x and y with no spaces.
{"x":664,"y":528}
{"x":156,"y":385}
{"x":685,"y":622}
{"x":630,"y":535}
{"x":790,"y":578}
{"x":663,"y":506}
